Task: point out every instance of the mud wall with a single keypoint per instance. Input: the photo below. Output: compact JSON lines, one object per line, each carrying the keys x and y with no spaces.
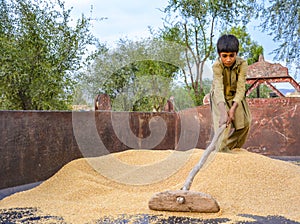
{"x":36,"y":144}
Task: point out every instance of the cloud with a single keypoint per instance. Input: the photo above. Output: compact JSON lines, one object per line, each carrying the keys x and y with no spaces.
{"x":130,"y":18}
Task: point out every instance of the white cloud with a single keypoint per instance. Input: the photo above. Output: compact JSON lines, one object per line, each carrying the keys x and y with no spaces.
{"x":130,"y":18}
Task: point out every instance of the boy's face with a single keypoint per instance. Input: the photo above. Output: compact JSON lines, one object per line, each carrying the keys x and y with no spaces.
{"x":228,"y":58}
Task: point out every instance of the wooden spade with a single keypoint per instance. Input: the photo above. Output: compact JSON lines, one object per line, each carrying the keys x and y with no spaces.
{"x":184,"y":200}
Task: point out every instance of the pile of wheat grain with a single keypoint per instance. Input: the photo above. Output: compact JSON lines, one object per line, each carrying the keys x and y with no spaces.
{"x":122,"y":183}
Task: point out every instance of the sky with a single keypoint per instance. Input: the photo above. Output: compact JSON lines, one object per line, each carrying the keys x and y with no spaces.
{"x":132,"y":18}
{"x":124,"y":18}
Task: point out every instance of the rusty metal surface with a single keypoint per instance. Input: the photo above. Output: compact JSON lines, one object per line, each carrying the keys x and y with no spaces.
{"x":275,"y":126}
{"x":263,"y":69}
{"x":102,"y":102}
{"x":36,"y":144}
{"x":255,"y":82}
{"x":263,"y":72}
{"x":274,"y":129}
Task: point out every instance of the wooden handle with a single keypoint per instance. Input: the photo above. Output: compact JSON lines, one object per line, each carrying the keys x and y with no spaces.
{"x":204,"y":158}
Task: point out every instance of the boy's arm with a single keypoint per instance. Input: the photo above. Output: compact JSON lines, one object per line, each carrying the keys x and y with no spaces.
{"x":218,"y":83}
{"x":231,"y":113}
{"x":218,"y":92}
{"x":240,"y":91}
{"x":241,"y":83}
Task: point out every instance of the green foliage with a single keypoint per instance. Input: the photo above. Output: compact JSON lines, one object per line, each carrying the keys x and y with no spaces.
{"x":183,"y":99}
{"x":249,"y":49}
{"x":282,"y":20}
{"x":194,"y":24}
{"x":40,"y":54}
{"x":263,"y":90}
{"x":79,"y":96}
{"x":137,"y":75}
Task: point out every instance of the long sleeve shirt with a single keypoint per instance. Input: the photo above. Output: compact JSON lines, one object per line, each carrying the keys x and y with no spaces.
{"x":229,"y":83}
{"x":229,"y":86}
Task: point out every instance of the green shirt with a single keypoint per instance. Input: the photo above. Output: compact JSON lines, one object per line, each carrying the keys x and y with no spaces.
{"x":229,"y":86}
{"x":229,"y":83}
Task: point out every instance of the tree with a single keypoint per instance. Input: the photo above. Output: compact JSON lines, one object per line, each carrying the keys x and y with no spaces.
{"x":193,"y":24}
{"x":40,"y":54}
{"x":281,"y":19}
{"x":137,"y":75}
{"x":262,"y":91}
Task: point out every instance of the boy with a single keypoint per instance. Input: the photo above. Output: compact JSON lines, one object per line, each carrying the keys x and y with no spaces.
{"x":227,"y":94}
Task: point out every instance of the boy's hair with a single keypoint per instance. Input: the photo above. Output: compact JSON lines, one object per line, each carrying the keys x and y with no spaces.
{"x":228,"y":43}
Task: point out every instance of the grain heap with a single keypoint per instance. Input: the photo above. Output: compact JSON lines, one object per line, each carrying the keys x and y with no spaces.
{"x":241,"y":182}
